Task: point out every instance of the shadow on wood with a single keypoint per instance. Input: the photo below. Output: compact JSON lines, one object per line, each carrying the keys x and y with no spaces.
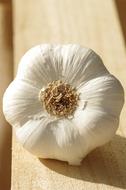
{"x":105,"y":165}
{"x":121,"y":9}
{"x":6,"y":75}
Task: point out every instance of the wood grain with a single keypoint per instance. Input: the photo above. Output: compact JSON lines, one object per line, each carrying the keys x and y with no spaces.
{"x":95,"y":24}
{"x":6,"y":75}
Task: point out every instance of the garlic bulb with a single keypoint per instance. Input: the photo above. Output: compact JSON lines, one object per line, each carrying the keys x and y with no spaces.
{"x":63,"y":102}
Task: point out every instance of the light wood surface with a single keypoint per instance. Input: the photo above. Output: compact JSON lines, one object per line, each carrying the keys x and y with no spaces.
{"x":95,"y":24}
{"x":6,"y":75}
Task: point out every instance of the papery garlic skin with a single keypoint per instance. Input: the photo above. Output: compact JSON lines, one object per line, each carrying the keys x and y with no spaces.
{"x":94,"y":121}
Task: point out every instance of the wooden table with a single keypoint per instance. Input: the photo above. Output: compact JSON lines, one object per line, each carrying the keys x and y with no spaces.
{"x":95,"y":24}
{"x":6,"y":75}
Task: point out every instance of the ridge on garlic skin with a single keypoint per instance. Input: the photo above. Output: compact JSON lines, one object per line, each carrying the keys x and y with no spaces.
{"x":63,"y":102}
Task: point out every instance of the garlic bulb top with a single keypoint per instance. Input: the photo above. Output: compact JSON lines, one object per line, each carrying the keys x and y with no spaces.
{"x":63,"y":102}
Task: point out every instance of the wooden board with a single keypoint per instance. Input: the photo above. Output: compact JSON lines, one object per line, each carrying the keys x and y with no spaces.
{"x":95,"y":24}
{"x":6,"y":75}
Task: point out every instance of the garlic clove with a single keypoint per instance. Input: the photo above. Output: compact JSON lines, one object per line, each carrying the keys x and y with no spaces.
{"x":95,"y":126}
{"x":81,"y":64}
{"x":20,"y":102}
{"x":104,"y":93}
{"x":46,"y":63}
{"x":57,"y":139}
{"x":41,"y":65}
{"x":34,"y":133}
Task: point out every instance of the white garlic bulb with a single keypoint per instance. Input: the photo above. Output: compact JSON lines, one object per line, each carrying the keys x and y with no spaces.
{"x":63,"y":102}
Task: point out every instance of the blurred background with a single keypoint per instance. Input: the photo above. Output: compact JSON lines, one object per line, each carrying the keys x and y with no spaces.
{"x":98,"y":24}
